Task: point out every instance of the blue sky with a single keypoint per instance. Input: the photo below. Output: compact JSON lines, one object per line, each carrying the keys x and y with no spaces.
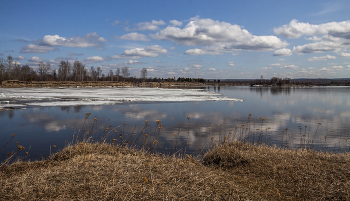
{"x":205,"y":39}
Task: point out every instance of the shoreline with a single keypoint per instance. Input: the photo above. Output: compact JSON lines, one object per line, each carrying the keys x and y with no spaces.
{"x":64,"y":84}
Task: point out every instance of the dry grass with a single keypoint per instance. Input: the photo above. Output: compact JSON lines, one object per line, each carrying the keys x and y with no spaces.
{"x":275,"y":173}
{"x":103,"y":172}
{"x":229,"y":171}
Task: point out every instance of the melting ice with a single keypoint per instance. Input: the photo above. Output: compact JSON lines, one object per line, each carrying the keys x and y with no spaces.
{"x":23,"y":97}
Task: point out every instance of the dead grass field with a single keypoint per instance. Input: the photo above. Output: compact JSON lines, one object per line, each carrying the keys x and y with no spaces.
{"x":229,"y":171}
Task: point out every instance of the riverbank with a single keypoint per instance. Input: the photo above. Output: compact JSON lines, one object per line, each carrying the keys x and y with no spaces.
{"x":62,"y":84}
{"x":234,"y":170}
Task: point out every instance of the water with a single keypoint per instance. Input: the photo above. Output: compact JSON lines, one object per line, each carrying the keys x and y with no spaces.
{"x":39,"y":126}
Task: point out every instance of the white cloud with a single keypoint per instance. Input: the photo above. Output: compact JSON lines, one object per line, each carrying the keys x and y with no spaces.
{"x":136,"y":53}
{"x":231,"y":63}
{"x":325,"y":69}
{"x":282,"y":52}
{"x":89,"y":40}
{"x":212,"y":69}
{"x":196,"y":66}
{"x":337,"y":67}
{"x":317,"y":47}
{"x":224,"y":36}
{"x":344,"y":54}
{"x":131,"y":62}
{"x":172,"y":48}
{"x":197,"y":51}
{"x":152,"y":26}
{"x":134,"y":36}
{"x":175,"y":22}
{"x":20,"y":58}
{"x":323,"y":58}
{"x":94,"y":59}
{"x":31,"y":48}
{"x":114,"y":23}
{"x":276,"y":64}
{"x":34,"y":59}
{"x":266,"y":68}
{"x":290,"y":67}
{"x":296,"y":29}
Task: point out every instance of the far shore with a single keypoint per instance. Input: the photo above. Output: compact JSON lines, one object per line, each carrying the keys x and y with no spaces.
{"x":160,"y":84}
{"x":58,"y":84}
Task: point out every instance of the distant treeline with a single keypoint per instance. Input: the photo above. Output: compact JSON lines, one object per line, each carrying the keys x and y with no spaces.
{"x":11,"y":70}
{"x":276,"y":81}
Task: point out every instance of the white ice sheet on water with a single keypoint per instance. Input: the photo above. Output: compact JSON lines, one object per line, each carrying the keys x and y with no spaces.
{"x":101,"y":96}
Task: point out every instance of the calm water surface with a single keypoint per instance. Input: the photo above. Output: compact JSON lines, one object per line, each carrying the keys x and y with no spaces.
{"x":39,"y":128}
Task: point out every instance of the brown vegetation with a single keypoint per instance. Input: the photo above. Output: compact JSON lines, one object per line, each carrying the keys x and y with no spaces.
{"x":234,"y":170}
{"x":18,"y":84}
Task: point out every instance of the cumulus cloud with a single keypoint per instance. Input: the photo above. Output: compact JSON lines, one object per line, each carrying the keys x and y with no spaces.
{"x":133,"y":36}
{"x":276,"y":64}
{"x":231,"y":63}
{"x":344,"y":54}
{"x":196,"y":66}
{"x":337,"y":67}
{"x":175,"y":22}
{"x":132,"y":62}
{"x":294,"y":67}
{"x":143,"y":26}
{"x":136,"y":53}
{"x":94,"y":59}
{"x":212,"y":69}
{"x":198,"y":51}
{"x":20,"y":58}
{"x":224,"y":36}
{"x":34,"y":59}
{"x":317,"y":47}
{"x":323,"y":58}
{"x":282,"y":52}
{"x":325,"y":69}
{"x":46,"y":44}
{"x":335,"y":35}
{"x":89,"y":40}
{"x":31,"y":48}
{"x":296,"y":29}
{"x":266,"y":68}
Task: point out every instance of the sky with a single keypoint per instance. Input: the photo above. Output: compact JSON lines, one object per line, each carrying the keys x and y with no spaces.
{"x":208,"y":39}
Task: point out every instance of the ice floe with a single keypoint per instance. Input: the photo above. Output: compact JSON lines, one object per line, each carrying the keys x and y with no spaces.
{"x":22,"y":97}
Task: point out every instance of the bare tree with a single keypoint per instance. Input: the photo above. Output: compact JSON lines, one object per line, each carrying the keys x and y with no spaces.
{"x":117,"y":72}
{"x":2,"y":69}
{"x":99,"y":72}
{"x":16,"y":72}
{"x":125,"y":72}
{"x":111,"y":75}
{"x":25,"y":72}
{"x":144,"y":73}
{"x":93,"y":74}
{"x":44,"y":70}
{"x":79,"y":71}
{"x":64,"y":70}
{"x":9,"y":64}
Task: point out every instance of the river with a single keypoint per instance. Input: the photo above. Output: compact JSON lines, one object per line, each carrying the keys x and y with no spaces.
{"x":316,"y":117}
